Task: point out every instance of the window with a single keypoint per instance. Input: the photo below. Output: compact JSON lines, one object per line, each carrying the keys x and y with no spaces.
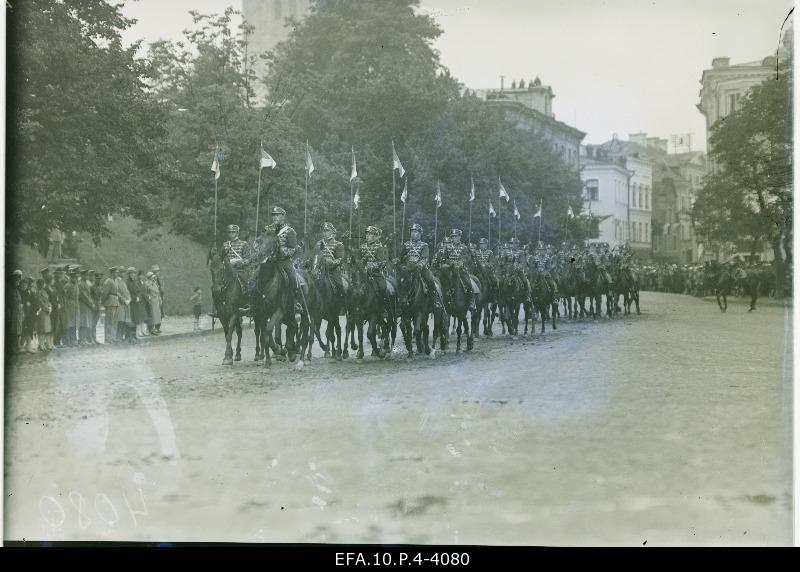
{"x":633,"y":196}
{"x":647,"y":197}
{"x":647,"y":232}
{"x":733,"y":101}
{"x":641,"y":203}
{"x":592,"y":190}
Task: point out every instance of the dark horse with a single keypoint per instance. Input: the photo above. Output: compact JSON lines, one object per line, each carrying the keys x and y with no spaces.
{"x":720,"y":279}
{"x":227,"y":296}
{"x":513,"y":293}
{"x":626,"y":283}
{"x":600,"y":284}
{"x":569,"y":280}
{"x":365,"y":304}
{"x":457,"y":301}
{"x":275,"y":298}
{"x":750,"y":281}
{"x":486,"y":303}
{"x":414,"y":306}
{"x":544,"y":297}
{"x":330,"y":306}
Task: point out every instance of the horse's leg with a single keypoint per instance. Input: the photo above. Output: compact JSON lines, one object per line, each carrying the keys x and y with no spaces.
{"x":753,"y":297}
{"x":359,"y":325}
{"x":328,"y":334}
{"x":337,"y":330}
{"x":238,"y":356}
{"x":228,"y":327}
{"x":555,"y":305}
{"x":270,"y":325}
{"x":470,"y":335}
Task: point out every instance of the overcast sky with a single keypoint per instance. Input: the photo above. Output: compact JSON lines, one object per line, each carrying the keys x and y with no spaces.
{"x":616,"y":66}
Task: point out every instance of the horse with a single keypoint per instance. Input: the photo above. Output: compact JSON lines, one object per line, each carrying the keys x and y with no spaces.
{"x":457,"y":301}
{"x":365,"y":304}
{"x":626,"y":283}
{"x":544,"y":296}
{"x":276,"y":298}
{"x":415,"y":304}
{"x":513,"y":293}
{"x":721,"y":281}
{"x":330,"y":306}
{"x":600,"y":284}
{"x":486,"y":302}
{"x":750,"y":280}
{"x":227,"y":295}
{"x":568,"y":281}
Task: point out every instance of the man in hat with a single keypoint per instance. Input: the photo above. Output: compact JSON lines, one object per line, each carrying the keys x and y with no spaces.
{"x":329,"y":257}
{"x":86,"y":308}
{"x":97,"y":297}
{"x":110,"y":298}
{"x":374,"y":257}
{"x":484,"y":255}
{"x":240,"y":257}
{"x":455,"y":256}
{"x":416,"y":253}
{"x":278,"y":221}
{"x":71,"y":308}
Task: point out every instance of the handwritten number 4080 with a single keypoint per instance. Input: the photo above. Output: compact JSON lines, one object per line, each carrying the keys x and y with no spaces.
{"x":103,"y":509}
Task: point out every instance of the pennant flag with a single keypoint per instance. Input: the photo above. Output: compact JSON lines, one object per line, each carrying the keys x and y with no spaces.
{"x":503,"y":193}
{"x":570,"y":214}
{"x":516,"y":212}
{"x":396,"y":164}
{"x":353,"y":171}
{"x":356,"y":198}
{"x":539,"y":212}
{"x":472,"y":190}
{"x":404,"y":194}
{"x":492,"y":212}
{"x":266,"y":159}
{"x":309,"y":162}
{"x":215,"y":164}
{"x":438,"y":197}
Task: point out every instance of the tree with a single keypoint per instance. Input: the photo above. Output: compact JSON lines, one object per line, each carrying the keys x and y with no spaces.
{"x":84,"y":135}
{"x":749,"y":194}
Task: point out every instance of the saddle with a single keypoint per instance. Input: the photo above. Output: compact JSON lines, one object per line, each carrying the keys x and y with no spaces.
{"x":476,"y":288}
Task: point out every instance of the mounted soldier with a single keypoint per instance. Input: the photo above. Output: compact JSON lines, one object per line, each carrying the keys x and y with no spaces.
{"x":456,"y":256}
{"x":415,"y":253}
{"x":240,"y":256}
{"x":541,"y":262}
{"x":374,"y":257}
{"x":484,"y":256}
{"x":329,"y":257}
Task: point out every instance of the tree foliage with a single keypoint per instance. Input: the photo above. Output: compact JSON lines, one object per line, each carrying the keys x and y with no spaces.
{"x":84,"y":136}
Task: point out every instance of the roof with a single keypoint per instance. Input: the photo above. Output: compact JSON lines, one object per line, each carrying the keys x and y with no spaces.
{"x":519,"y":106}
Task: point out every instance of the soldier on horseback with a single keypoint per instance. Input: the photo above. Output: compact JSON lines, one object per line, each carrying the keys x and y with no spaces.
{"x":415,"y":253}
{"x":374,"y":256}
{"x":329,"y":258}
{"x":240,"y":257}
{"x":483,"y":256}
{"x":541,"y":262}
{"x":455,"y":255}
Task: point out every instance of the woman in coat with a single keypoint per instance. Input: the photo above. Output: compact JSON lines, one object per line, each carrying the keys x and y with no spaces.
{"x":29,"y":319}
{"x":153,"y":301}
{"x":44,"y":327}
{"x":16,"y":309}
{"x":138,"y":291}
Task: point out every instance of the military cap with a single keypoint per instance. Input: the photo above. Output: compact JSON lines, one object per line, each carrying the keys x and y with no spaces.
{"x":112,"y":269}
{"x":328,"y":226}
{"x":131,"y":269}
{"x":16,"y":273}
{"x":278,"y":210}
{"x":483,"y":241}
{"x":233,"y":228}
{"x":514,"y":240}
{"x":455,"y":232}
{"x":84,"y":271}
{"x":45,"y":270}
{"x":373,"y":230}
{"x":416,"y":226}
{"x":155,"y":268}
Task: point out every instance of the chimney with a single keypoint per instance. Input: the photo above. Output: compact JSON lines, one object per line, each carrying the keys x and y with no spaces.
{"x":502,"y":82}
{"x":718,"y":63}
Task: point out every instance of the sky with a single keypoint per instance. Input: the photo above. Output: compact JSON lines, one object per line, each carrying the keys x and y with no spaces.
{"x":615,"y":66}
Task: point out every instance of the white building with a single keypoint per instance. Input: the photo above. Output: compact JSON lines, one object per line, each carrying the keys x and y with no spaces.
{"x":606,"y":197}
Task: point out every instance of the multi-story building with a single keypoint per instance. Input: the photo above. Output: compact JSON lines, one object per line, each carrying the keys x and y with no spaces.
{"x":724,"y":85}
{"x":605,"y":184}
{"x":636,"y":195}
{"x":530,"y":105}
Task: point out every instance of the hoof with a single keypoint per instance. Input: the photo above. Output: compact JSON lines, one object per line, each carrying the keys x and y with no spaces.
{"x":238,"y":357}
{"x":338,"y":357}
{"x":432,"y":354}
{"x":227,"y":361}
{"x":345,"y":354}
{"x":360,"y":355}
{"x":327,"y":354}
{"x":268,"y":363}
{"x":299,"y":365}
{"x":410,"y":355}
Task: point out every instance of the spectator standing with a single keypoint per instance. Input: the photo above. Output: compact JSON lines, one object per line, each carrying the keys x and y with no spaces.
{"x":157,"y":275}
{"x":153,"y":302}
{"x":197,"y":306}
{"x":87,"y":309}
{"x":139,"y":304}
{"x":44,"y":327}
{"x":110,"y":297}
{"x":72,"y":309}
{"x":124,"y":317}
{"x":15,"y":313}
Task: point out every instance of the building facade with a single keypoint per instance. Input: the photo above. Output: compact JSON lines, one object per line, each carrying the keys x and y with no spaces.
{"x":605,"y":198}
{"x":530,"y":105}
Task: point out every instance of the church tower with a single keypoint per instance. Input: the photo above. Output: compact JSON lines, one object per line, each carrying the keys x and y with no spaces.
{"x":268,"y":17}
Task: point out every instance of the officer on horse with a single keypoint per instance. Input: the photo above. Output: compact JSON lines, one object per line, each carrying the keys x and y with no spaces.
{"x":329,"y":258}
{"x":240,"y":257}
{"x":484,"y":255}
{"x":374,"y":257}
{"x":415,"y":253}
{"x":455,"y":254}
